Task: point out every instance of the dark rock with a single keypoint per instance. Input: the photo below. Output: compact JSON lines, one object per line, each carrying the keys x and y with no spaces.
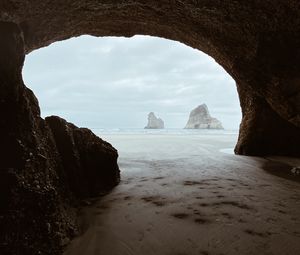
{"x":263,"y":131}
{"x":90,"y":164}
{"x":34,"y":187}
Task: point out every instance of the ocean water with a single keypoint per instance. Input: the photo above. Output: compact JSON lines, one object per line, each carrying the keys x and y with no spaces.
{"x":168,"y":144}
{"x":166,"y":131}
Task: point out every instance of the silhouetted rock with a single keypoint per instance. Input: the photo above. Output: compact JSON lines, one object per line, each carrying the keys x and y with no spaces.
{"x":201,"y":119}
{"x":263,"y":131}
{"x":38,"y":195}
{"x":154,"y":122}
{"x":90,"y":164}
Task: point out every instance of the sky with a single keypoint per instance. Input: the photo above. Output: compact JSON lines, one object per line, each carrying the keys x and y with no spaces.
{"x":114,"y":82}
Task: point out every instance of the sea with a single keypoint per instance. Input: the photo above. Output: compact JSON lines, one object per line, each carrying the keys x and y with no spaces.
{"x":166,"y":131}
{"x":169,"y":143}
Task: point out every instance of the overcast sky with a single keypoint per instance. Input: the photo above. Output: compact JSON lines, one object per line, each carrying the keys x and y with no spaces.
{"x":114,"y":82}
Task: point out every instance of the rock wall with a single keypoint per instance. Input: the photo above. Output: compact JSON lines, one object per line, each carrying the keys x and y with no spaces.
{"x":200,"y":119}
{"x":89,"y":163}
{"x":263,"y":131}
{"x":37,"y":209}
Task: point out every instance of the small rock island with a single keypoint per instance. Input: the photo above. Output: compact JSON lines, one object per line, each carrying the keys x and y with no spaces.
{"x":154,"y":122}
{"x":201,"y":119}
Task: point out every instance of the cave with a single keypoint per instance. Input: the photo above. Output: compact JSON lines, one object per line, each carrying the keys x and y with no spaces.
{"x":256,"y":42}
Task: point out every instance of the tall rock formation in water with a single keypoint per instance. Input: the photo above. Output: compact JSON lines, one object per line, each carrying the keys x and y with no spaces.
{"x":201,"y":119}
{"x":154,"y":122}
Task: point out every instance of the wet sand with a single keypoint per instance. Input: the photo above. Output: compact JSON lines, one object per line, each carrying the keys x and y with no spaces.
{"x":180,"y":195}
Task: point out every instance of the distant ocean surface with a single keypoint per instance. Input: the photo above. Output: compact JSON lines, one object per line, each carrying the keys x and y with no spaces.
{"x":166,"y":131}
{"x":170,"y":143}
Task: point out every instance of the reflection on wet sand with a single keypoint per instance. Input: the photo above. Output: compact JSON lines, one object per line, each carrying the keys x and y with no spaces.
{"x":184,"y":196}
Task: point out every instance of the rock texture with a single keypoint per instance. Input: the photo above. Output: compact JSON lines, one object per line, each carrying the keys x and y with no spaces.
{"x":201,"y":119}
{"x":154,"y":122}
{"x":263,"y":131}
{"x":38,"y":192}
{"x":89,"y":163}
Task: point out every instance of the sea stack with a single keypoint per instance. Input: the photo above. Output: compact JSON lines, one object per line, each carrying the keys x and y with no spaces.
{"x":201,"y":119}
{"x":154,"y":122}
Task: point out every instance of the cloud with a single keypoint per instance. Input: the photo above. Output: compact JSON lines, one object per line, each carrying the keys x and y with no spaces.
{"x":115,"y":81}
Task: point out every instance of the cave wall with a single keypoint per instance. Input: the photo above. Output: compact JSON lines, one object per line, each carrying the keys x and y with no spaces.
{"x":257,"y":43}
{"x":263,"y":131}
{"x":38,"y":199}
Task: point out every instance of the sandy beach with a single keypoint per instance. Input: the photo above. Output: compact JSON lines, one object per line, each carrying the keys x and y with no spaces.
{"x":186,"y":194}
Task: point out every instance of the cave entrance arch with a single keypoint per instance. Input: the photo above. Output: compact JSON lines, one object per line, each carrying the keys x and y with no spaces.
{"x":260,"y":52}
{"x":85,"y":78}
